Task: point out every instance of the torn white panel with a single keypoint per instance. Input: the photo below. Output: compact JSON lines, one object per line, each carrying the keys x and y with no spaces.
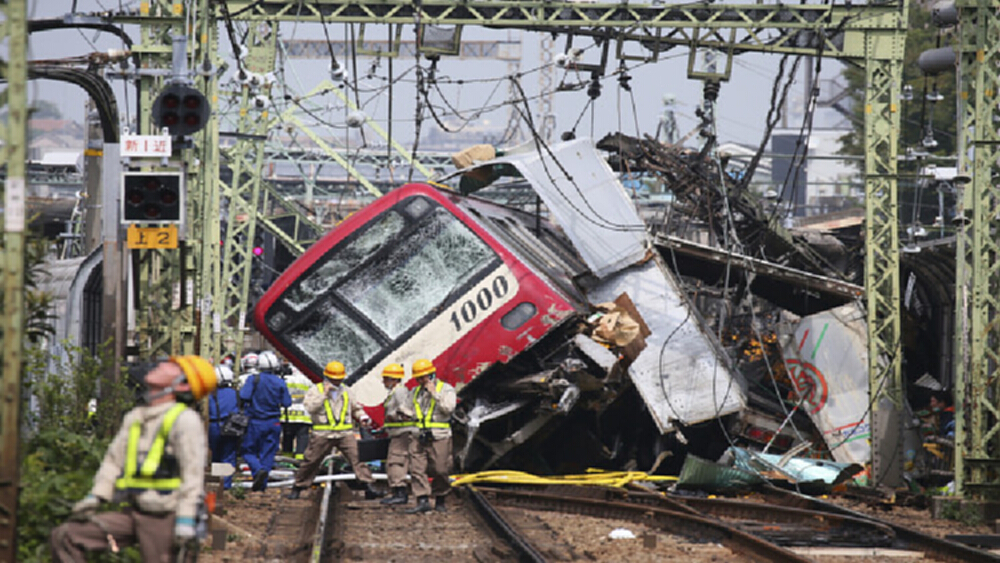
{"x":587,"y":201}
{"x":682,"y":375}
{"x":827,"y":360}
{"x":601,"y":355}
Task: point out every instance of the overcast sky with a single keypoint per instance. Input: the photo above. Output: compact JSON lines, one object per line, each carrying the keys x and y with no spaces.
{"x":743,"y":101}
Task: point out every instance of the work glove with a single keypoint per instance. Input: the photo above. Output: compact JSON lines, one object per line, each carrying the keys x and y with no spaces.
{"x":85,"y":508}
{"x":366,"y":422}
{"x":184,"y":530}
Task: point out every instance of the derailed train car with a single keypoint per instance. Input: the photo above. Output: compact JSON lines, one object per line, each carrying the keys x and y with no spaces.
{"x":503,"y":302}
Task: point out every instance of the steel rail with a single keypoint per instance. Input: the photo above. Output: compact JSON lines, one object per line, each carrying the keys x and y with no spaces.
{"x":525,"y":551}
{"x":937,"y":548}
{"x":672,"y":521}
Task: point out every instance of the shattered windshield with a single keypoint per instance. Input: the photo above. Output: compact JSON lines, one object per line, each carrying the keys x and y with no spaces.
{"x":342,"y":259}
{"x":328,"y":334}
{"x":418,"y":274}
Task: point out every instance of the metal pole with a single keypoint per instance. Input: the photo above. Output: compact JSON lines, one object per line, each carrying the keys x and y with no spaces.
{"x":14,"y":155}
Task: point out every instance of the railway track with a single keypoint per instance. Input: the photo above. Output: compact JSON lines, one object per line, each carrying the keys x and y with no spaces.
{"x":563,"y":523}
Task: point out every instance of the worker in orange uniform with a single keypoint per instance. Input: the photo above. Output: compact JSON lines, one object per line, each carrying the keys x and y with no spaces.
{"x":400,"y":426}
{"x":154,"y":466}
{"x":430,"y":453}
{"x":333,"y":412}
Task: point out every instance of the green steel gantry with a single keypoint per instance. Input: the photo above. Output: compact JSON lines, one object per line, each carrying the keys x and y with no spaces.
{"x":14,"y":37}
{"x":977,"y":256}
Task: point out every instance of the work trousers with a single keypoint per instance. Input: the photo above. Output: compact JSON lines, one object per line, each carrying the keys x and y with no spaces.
{"x":223,"y":448}
{"x":295,"y":438}
{"x":153,"y":534}
{"x":320,"y":446}
{"x":431,"y":461}
{"x":260,"y":444}
{"x":397,"y":461}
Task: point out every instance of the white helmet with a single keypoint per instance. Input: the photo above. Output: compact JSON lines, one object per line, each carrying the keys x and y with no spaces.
{"x":225,"y":375}
{"x":249,"y":361}
{"x":268,"y":360}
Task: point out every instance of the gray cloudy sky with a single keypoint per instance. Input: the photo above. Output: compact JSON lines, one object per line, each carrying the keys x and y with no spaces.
{"x":743,"y":102}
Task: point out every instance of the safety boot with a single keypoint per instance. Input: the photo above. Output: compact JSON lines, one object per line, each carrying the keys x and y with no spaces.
{"x":399,"y":496}
{"x":372,"y":493}
{"x":259,"y":481}
{"x":439,"y":505}
{"x":294,"y":493}
{"x":423,"y":505}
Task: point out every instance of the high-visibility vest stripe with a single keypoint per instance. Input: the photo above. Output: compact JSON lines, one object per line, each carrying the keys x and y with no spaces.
{"x":401,"y":424}
{"x":145,"y":479}
{"x":334,"y":424}
{"x":424,"y":421}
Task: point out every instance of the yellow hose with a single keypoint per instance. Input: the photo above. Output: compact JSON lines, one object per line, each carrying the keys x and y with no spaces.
{"x":593,"y":477}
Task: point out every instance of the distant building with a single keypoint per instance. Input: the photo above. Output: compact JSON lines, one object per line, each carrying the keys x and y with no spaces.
{"x":823,"y":182}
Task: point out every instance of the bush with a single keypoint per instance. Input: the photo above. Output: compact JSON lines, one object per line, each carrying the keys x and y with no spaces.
{"x":64,"y":444}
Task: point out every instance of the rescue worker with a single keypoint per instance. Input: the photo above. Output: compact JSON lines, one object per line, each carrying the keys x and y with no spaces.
{"x":333,"y":411}
{"x":248,"y":367}
{"x":295,"y":420}
{"x":154,"y":466}
{"x":940,"y":404}
{"x":264,"y":394}
{"x":400,"y":426}
{"x":430,"y":451}
{"x":221,"y":405}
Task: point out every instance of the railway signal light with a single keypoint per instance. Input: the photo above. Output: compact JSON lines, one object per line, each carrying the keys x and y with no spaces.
{"x":152,"y":197}
{"x":181,"y":109}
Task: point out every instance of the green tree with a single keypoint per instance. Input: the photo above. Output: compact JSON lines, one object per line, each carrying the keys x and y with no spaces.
{"x":922,"y":35}
{"x":44,"y":109}
{"x":916,"y":115}
{"x":65,"y":443}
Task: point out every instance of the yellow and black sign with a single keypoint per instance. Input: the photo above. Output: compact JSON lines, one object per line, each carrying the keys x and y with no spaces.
{"x":152,"y":237}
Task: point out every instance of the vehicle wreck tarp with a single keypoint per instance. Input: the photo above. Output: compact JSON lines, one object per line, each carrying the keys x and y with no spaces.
{"x":683,"y":374}
{"x":827,"y":360}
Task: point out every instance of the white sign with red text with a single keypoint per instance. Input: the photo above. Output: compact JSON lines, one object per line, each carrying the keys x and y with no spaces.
{"x":146,"y":145}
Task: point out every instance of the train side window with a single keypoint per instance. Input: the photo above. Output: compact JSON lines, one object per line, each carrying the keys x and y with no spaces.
{"x":518,"y":315}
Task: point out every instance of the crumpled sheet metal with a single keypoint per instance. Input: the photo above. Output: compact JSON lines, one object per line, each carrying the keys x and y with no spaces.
{"x":796,"y":470}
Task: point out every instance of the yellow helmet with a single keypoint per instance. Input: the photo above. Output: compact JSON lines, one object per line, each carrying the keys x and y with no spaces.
{"x":394,"y":371}
{"x":200,"y":375}
{"x":422,"y":367}
{"x":334,"y":370}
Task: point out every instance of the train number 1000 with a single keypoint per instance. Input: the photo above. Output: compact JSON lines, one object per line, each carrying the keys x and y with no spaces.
{"x":480,"y":302}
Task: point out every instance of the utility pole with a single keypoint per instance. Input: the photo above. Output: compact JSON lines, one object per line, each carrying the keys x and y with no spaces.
{"x":14,"y":151}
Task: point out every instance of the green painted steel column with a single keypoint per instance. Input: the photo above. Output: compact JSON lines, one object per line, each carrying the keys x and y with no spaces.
{"x":977,"y":391}
{"x":209,"y":269}
{"x":884,"y":73}
{"x":246,"y":160}
{"x":15,"y":138}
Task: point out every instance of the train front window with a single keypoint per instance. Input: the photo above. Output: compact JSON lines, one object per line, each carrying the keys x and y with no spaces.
{"x":329,"y":334}
{"x":417,"y":274}
{"x":343,"y":260}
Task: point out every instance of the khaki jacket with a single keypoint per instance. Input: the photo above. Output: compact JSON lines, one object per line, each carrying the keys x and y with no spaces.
{"x":399,"y":408}
{"x":318,"y":393}
{"x":186,"y":441}
{"x":447,"y":399}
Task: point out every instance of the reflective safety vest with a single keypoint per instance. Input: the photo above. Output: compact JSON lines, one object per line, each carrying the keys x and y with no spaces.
{"x":401,"y":424}
{"x":296,"y":412}
{"x":424,"y":421}
{"x":145,"y":478}
{"x":334,"y":424}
